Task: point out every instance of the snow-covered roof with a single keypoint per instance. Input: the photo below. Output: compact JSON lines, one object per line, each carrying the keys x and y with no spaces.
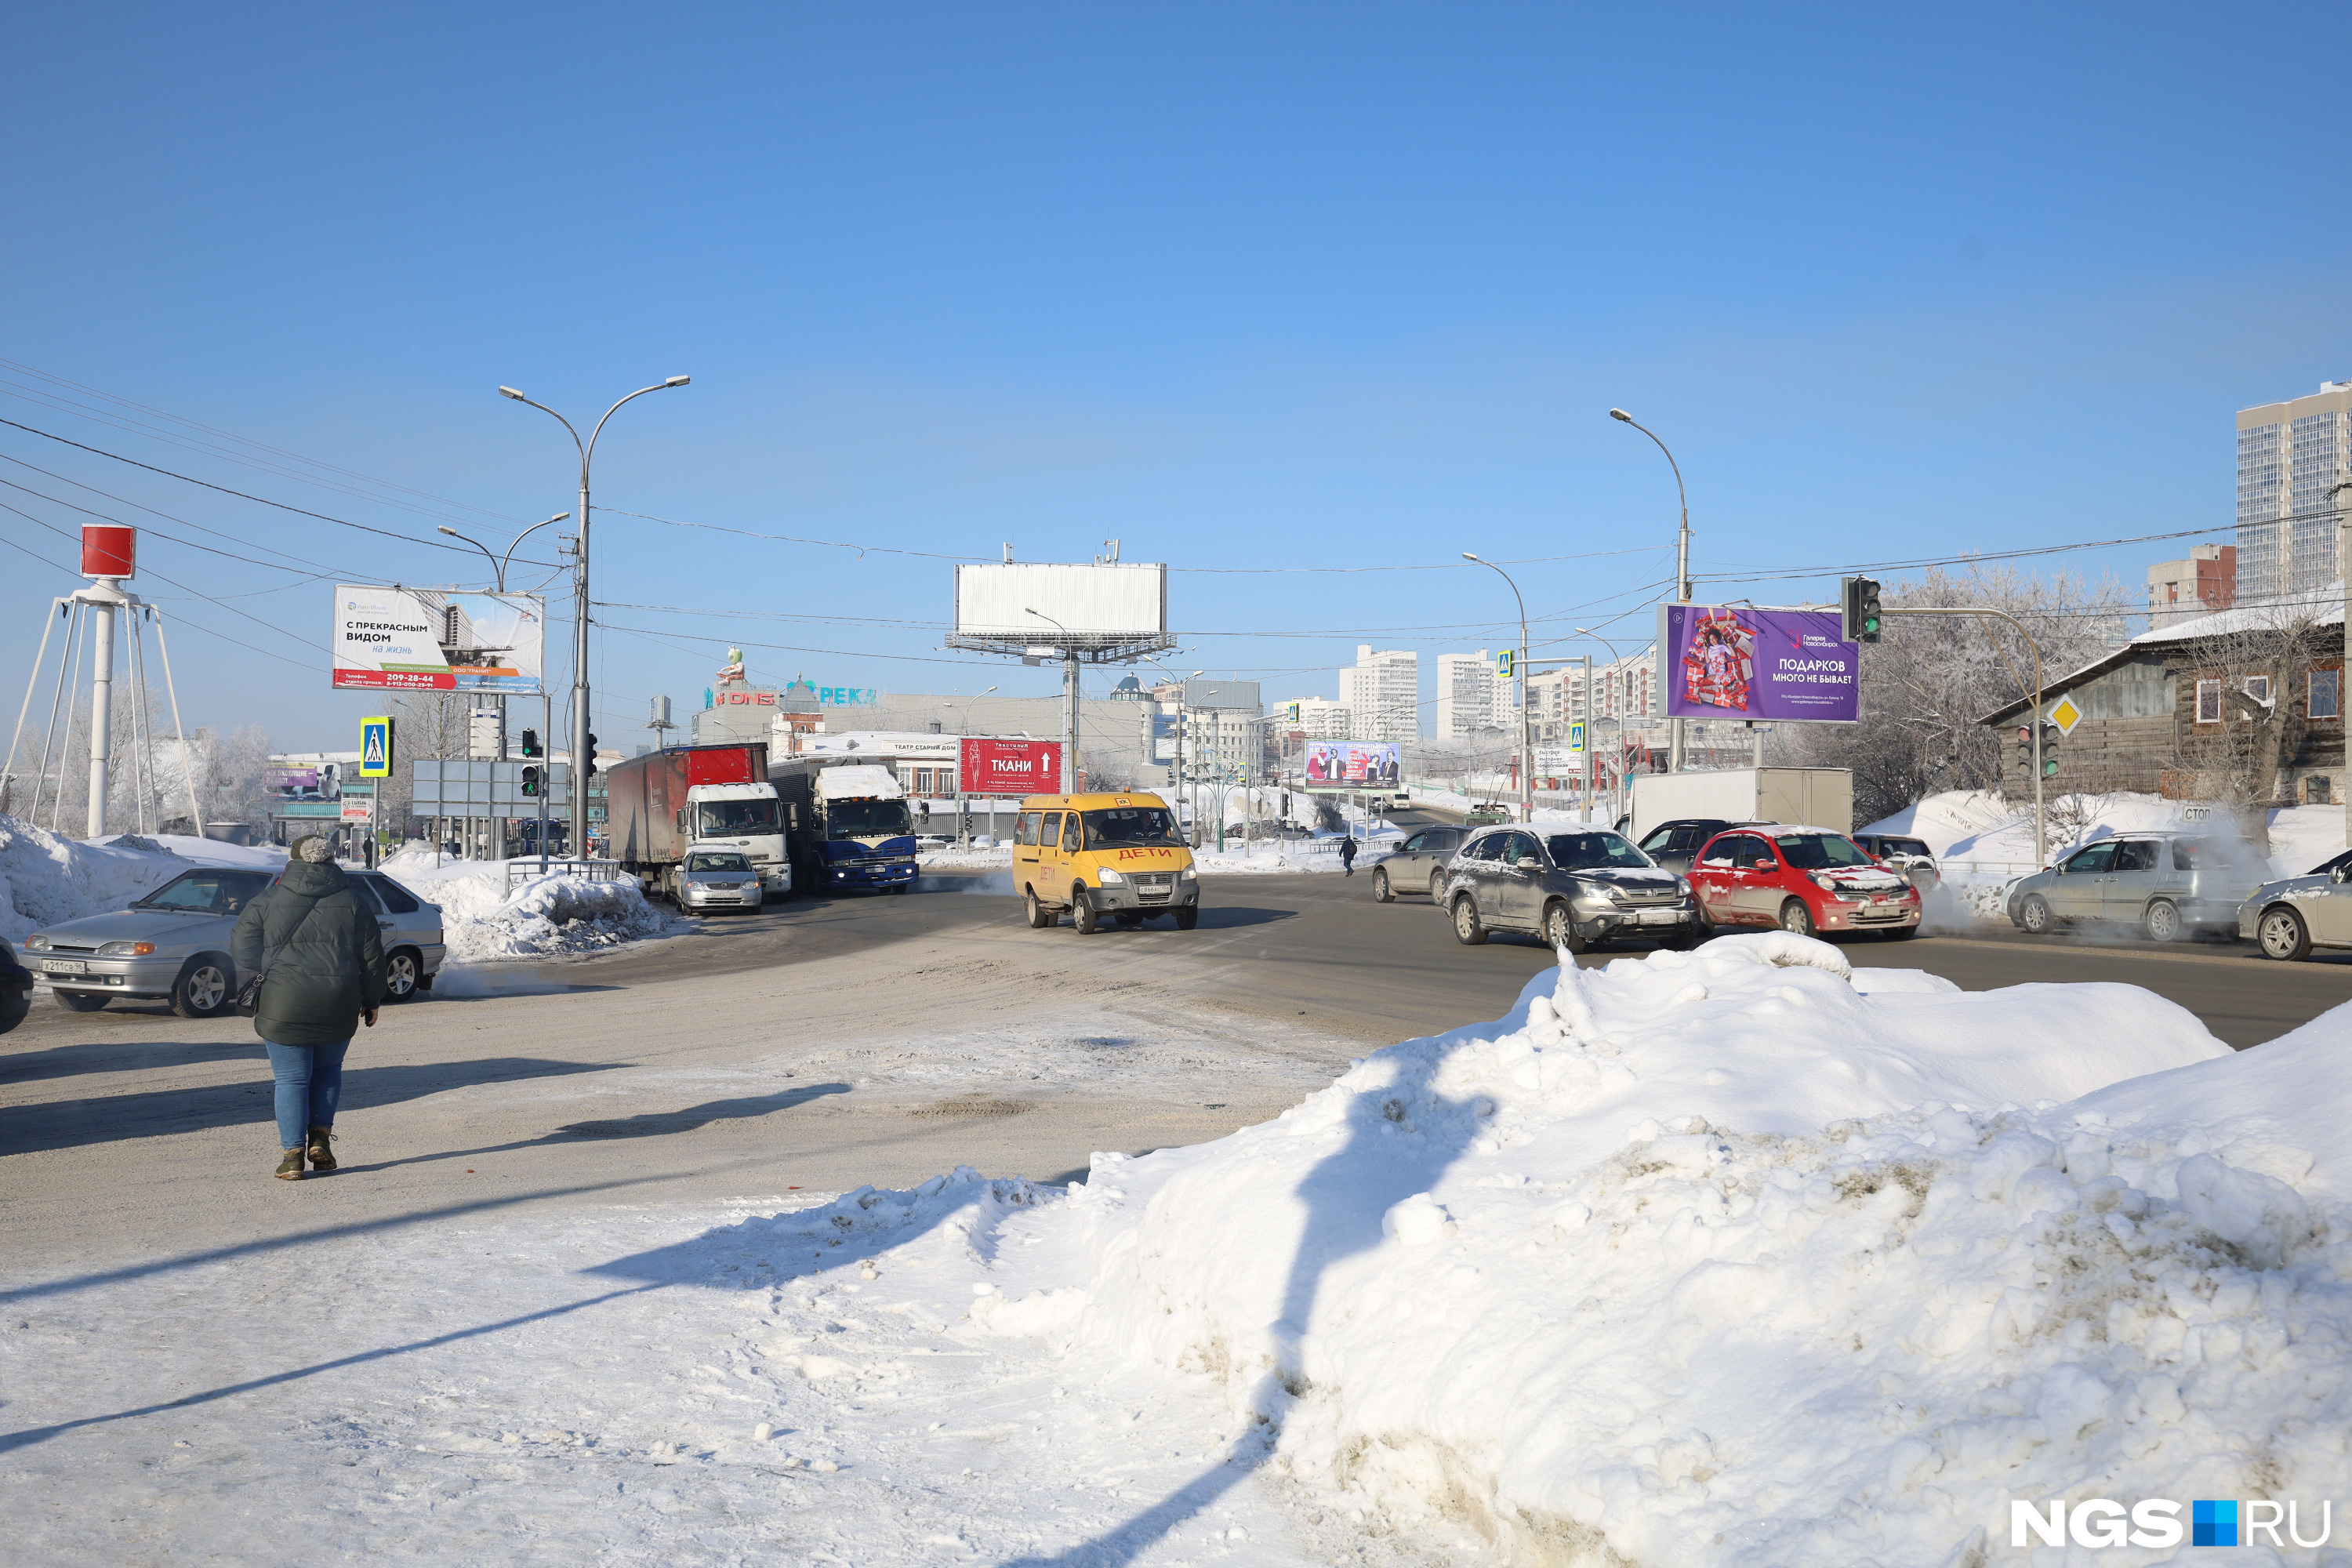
{"x":2328,"y":604}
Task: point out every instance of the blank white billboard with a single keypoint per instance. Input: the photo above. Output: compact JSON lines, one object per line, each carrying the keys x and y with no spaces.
{"x":1093,"y":606}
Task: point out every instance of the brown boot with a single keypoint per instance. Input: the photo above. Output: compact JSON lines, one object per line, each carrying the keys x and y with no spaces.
{"x":323,"y":1158}
{"x":289,"y":1169}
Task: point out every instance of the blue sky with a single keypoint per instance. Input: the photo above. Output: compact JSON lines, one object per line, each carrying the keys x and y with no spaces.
{"x":1245,"y":287}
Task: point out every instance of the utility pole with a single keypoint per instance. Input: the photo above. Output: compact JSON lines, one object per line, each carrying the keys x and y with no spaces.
{"x":581,"y":763}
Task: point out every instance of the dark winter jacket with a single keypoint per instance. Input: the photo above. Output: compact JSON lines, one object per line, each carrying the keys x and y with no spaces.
{"x":330,"y":974}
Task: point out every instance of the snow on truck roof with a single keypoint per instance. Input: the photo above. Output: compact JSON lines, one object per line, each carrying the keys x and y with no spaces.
{"x":859,"y":781}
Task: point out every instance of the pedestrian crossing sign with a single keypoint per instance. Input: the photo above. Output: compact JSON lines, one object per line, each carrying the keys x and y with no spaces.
{"x":376,"y":748}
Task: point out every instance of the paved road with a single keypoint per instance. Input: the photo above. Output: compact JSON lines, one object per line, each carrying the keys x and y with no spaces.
{"x":836,"y":1041}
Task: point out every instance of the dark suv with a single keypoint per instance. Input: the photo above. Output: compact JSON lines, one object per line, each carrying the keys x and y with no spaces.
{"x":1572,"y":889}
{"x":1673,"y":845}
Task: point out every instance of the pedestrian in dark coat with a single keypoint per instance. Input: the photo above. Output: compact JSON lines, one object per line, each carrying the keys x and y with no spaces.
{"x":318,"y":946}
{"x":1348,"y":855}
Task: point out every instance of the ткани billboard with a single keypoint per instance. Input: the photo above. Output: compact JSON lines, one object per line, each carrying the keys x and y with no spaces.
{"x":429,"y":639}
{"x":986,"y":766}
{"x":1369,"y":762}
{"x":1734,"y":661}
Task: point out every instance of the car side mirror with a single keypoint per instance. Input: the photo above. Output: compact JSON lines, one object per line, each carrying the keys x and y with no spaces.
{"x":1528,"y":863}
{"x":2340,"y":873}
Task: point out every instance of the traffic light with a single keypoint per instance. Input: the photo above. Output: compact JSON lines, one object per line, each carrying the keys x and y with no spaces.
{"x":530,"y":744}
{"x":2051,"y":736}
{"x":588,"y":765}
{"x":531,"y":781}
{"x":1502,"y":664}
{"x":2025,"y":750}
{"x":1862,"y":612}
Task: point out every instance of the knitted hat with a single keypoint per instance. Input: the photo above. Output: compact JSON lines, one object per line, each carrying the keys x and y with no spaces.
{"x":315,"y":849}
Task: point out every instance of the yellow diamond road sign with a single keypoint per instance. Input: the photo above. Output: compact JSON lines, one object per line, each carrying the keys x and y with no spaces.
{"x":2066,"y":715}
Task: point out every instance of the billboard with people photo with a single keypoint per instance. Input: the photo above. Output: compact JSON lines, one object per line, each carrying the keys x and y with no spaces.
{"x":1370,"y":764}
{"x":1736,"y":661}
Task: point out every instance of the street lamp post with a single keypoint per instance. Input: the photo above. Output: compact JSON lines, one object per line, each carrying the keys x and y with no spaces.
{"x":1527,"y":757}
{"x":1592,"y":736}
{"x":1069,"y":704}
{"x":1182,"y":778}
{"x":581,"y":761}
{"x":1682,"y":569}
{"x":498,"y":576}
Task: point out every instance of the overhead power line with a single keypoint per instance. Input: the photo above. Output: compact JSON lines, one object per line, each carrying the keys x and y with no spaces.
{"x":261,"y":501}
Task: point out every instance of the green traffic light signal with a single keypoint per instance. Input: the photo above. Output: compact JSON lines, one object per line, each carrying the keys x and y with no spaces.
{"x":531,"y":781}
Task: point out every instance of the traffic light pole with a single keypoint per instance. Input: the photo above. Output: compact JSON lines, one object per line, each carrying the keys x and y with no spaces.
{"x":2041,"y":830}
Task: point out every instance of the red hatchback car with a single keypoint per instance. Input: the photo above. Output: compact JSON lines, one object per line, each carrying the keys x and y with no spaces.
{"x":1804,"y":879}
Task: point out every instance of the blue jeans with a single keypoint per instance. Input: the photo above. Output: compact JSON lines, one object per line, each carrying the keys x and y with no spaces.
{"x":309,"y":1083}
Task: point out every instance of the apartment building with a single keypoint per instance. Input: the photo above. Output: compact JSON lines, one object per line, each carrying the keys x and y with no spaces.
{"x":2181,"y":590}
{"x":1318,"y":718}
{"x":1471,"y":697}
{"x":2290,"y":457}
{"x":1383,"y":694}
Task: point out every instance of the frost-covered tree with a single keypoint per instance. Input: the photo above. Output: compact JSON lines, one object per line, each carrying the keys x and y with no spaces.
{"x":1929,"y":678}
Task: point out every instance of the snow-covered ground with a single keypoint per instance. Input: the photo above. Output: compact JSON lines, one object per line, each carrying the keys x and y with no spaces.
{"x":544,"y":916}
{"x":46,"y":878}
{"x":1733,"y":1258}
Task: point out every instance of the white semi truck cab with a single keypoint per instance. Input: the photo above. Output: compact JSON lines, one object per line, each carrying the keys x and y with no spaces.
{"x":743,"y":817}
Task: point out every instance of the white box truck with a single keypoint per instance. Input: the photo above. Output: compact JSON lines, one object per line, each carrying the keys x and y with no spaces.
{"x":1813,"y":797}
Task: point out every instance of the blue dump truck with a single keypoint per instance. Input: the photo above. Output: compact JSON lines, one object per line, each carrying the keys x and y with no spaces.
{"x":847,"y":824}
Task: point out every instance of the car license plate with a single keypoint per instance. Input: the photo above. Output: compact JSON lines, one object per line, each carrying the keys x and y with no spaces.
{"x":64,"y":966}
{"x":1659,"y":917}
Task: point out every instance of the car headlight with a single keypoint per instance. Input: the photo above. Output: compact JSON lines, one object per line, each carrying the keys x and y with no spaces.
{"x":126,"y":949}
{"x":1683,"y":886}
{"x":1826,"y":881}
{"x":1109,"y":877}
{"x":1188,"y":874}
{"x":36,"y":942}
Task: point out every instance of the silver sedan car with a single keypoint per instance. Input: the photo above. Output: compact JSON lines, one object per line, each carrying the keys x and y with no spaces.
{"x":175,"y":945}
{"x":716,"y":879}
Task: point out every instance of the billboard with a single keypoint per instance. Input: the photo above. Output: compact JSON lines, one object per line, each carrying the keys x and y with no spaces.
{"x":429,"y":639}
{"x":1734,"y":661}
{"x":989,"y":766}
{"x":1369,"y":762}
{"x":1089,"y":606}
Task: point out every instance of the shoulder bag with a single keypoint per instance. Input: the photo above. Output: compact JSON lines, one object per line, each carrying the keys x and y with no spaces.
{"x":248,"y":995}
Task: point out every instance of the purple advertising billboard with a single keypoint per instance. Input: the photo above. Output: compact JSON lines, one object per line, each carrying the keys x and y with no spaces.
{"x":1734,"y":661}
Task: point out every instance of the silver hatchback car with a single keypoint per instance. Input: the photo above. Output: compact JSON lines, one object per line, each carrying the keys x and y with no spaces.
{"x":175,"y":945}
{"x":715,"y":878}
{"x":2166,"y":884}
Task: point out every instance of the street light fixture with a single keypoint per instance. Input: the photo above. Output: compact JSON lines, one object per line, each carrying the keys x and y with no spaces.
{"x":1526,"y":753}
{"x":581,"y":763}
{"x":498,"y":565}
{"x":1682,"y":562}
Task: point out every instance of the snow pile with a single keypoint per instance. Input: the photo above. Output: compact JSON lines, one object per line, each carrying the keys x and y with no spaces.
{"x":545,"y":916}
{"x":46,"y":878}
{"x":1741,"y":1257}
